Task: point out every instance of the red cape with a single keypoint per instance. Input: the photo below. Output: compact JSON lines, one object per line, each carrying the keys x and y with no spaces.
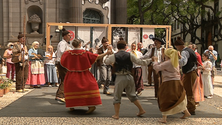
{"x":72,"y":61}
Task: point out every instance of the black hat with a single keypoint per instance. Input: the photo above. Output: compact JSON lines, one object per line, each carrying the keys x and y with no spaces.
{"x":158,"y":39}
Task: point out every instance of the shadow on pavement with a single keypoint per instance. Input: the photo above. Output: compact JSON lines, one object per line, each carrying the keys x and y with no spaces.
{"x":42,"y":103}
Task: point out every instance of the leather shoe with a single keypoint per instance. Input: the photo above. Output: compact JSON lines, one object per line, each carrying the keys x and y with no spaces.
{"x":37,"y":87}
{"x":108,"y":93}
{"x":139,"y":94}
{"x":71,"y":109}
{"x":60,"y":100}
{"x":19,"y":91}
{"x":192,"y":113}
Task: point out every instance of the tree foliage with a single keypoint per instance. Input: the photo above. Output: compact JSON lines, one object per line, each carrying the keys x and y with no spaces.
{"x":191,"y":14}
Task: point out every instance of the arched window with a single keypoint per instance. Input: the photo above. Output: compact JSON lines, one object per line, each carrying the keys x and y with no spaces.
{"x":91,"y":16}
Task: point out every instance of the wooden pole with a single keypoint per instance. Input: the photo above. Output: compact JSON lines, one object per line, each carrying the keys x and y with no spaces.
{"x":23,"y":54}
{"x":109,"y":34}
{"x":170,"y":36}
{"x":47,"y":35}
{"x":109,"y":26}
{"x":167,"y":37}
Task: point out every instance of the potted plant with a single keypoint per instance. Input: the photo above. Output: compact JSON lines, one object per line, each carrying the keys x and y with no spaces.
{"x":5,"y":84}
{"x":1,"y":92}
{"x":1,"y":88}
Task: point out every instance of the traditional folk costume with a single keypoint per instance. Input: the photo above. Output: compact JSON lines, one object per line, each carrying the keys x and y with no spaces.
{"x":198,"y":85}
{"x":36,"y":68}
{"x":80,"y":86}
{"x":104,"y":70}
{"x":123,"y":63}
{"x":171,"y":93}
{"x":188,"y":62}
{"x":144,"y":68}
{"x":149,"y":70}
{"x":61,"y":48}
{"x":206,"y":79}
{"x":50,"y":69}
{"x":137,"y":73}
{"x":157,"y":52}
{"x":17,"y":58}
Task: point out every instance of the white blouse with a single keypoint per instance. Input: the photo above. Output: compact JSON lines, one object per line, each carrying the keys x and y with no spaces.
{"x":207,"y":67}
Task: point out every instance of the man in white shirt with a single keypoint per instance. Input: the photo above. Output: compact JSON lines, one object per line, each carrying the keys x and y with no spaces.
{"x":158,"y":52}
{"x":61,"y":48}
{"x":104,"y":70}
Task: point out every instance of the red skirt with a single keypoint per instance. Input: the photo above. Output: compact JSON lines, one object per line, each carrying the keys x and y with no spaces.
{"x":81,"y":89}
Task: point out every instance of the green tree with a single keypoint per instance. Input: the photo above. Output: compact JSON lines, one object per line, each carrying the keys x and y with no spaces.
{"x":191,"y":14}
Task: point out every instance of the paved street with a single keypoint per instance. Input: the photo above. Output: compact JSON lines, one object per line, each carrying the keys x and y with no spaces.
{"x":39,"y":107}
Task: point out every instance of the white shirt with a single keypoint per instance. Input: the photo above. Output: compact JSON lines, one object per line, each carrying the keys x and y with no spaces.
{"x":138,"y":55}
{"x":61,"y":48}
{"x":207,"y":67}
{"x":104,"y":51}
{"x":26,"y":56}
{"x":52,"y":61}
{"x":157,"y":53}
{"x":111,"y":59}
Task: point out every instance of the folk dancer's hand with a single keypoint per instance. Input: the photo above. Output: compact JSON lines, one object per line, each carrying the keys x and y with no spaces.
{"x":110,"y":47}
{"x":179,"y":55}
{"x":109,"y":52}
{"x":154,"y":59}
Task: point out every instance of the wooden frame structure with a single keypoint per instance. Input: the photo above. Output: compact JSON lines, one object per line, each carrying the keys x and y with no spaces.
{"x":109,"y":26}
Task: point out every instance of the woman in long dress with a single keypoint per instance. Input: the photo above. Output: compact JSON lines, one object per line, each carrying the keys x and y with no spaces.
{"x":80,"y":86}
{"x":36,"y":76}
{"x":137,"y":71}
{"x":198,"y":85}
{"x":206,"y":77}
{"x":171,"y":93}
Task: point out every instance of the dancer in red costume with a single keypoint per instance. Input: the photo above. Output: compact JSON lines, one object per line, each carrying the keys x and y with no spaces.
{"x":80,"y":86}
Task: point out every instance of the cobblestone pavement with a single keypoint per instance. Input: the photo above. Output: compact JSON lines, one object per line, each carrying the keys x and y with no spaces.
{"x":209,"y":111}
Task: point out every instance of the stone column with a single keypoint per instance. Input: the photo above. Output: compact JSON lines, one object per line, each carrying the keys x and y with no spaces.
{"x":76,"y":14}
{"x":119,"y":11}
{"x":113,"y":12}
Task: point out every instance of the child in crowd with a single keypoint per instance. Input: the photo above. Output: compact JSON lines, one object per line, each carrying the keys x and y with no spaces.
{"x":206,"y":78}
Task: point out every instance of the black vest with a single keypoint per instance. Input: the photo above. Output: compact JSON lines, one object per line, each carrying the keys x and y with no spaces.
{"x":123,"y":62}
{"x":191,"y":62}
